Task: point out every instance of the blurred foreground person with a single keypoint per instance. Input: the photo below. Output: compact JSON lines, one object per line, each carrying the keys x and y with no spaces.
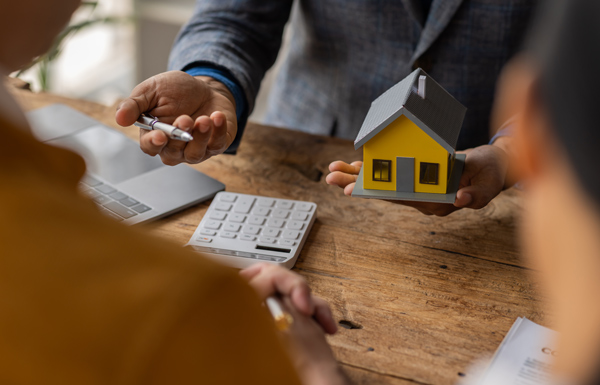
{"x":553,"y":91}
{"x":86,"y":300}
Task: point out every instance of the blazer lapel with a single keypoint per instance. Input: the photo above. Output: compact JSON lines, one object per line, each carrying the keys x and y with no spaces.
{"x":439,"y":17}
{"x":415,"y":10}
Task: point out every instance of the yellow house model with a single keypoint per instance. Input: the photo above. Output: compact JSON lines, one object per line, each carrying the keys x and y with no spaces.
{"x":409,"y":138}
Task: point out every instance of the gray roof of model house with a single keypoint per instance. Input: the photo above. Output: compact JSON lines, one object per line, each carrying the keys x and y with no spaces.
{"x":438,"y":114}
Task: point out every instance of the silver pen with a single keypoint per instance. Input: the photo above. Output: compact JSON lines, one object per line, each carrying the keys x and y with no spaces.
{"x":149,"y":122}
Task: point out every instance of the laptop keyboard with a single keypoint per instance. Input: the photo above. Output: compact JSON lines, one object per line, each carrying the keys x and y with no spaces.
{"x":112,"y":202}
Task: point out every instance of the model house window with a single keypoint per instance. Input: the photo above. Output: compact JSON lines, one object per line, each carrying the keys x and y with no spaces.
{"x":382,"y":170}
{"x":429,"y":173}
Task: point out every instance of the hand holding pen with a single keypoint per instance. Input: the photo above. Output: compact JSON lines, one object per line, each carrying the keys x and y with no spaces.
{"x":200,"y":106}
{"x":302,"y":320}
{"x":148,"y":122}
{"x":279,"y":286}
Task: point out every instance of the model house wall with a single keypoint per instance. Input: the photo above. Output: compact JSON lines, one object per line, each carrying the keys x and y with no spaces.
{"x":403,"y":138}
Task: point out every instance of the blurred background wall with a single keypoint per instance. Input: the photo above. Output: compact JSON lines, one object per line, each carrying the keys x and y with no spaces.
{"x":104,"y":61}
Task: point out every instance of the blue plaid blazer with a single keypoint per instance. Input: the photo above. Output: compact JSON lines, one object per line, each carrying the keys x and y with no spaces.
{"x":345,"y":53}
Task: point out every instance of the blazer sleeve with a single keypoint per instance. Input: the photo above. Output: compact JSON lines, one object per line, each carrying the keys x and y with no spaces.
{"x":225,"y":337}
{"x":239,"y":36}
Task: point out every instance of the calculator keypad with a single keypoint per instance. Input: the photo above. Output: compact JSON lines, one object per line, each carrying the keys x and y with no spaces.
{"x":251,"y":227}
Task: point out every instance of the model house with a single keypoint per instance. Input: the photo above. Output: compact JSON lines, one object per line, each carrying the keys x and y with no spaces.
{"x":409,"y":139}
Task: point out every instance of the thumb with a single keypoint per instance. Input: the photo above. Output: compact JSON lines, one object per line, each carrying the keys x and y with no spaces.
{"x":137,"y":103}
{"x":477,"y":195}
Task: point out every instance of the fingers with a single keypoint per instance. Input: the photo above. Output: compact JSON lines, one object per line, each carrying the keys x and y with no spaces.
{"x":324,"y":317}
{"x":483,"y":177}
{"x":267,"y":280}
{"x":479,"y":194}
{"x":353,"y":168}
{"x":349,"y":189}
{"x":158,"y":143}
{"x":172,"y":153}
{"x":463,"y":198}
{"x":219,"y":140}
{"x":209,"y":139}
{"x":152,"y":142}
{"x":195,"y":151}
{"x":341,"y":179}
{"x":344,"y":175}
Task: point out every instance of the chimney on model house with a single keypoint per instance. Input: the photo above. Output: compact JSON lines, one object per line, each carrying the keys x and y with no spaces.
{"x":421,"y":90}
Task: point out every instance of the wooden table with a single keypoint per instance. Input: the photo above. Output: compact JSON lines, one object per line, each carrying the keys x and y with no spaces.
{"x":424,"y":297}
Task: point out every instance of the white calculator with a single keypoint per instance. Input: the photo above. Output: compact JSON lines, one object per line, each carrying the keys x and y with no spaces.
{"x":240,"y":230}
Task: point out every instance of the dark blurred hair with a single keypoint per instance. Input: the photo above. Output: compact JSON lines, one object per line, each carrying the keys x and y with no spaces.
{"x":566,"y":41}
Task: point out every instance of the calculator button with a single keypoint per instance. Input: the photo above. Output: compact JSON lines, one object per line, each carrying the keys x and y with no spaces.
{"x":203,"y":239}
{"x":213,"y":225}
{"x":271,"y":232}
{"x":250,"y":229}
{"x":223,"y":206}
{"x":227,"y":234}
{"x":233,"y":227}
{"x":238,"y":218}
{"x":247,"y":237}
{"x":268,"y":240}
{"x":287,"y":242}
{"x":285,"y":205}
{"x":290,"y":234}
{"x":262,"y":211}
{"x":244,"y":204}
{"x":299,"y":216}
{"x":280,"y":213}
{"x":208,"y":232}
{"x":304,"y":207}
{"x":227,"y":197}
{"x":219,"y":216}
{"x":266,"y":202}
{"x":295,"y":225}
{"x":257,"y":221}
{"x":275,"y":223}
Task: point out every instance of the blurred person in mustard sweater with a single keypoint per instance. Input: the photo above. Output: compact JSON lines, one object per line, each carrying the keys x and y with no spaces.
{"x":88,"y":301}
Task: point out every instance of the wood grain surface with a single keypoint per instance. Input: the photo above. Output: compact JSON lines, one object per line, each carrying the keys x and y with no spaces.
{"x":424,"y":297}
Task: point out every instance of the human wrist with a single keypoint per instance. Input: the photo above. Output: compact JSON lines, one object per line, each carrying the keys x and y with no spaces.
{"x":505,"y":146}
{"x":217,"y":86}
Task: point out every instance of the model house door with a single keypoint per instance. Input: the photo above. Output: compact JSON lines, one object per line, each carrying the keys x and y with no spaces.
{"x":405,"y":174}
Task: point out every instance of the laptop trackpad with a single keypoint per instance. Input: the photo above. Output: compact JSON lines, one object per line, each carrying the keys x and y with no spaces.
{"x":108,"y":153}
{"x":167,"y":187}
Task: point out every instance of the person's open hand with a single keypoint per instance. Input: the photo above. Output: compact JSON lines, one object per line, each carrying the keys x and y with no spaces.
{"x":483,"y":179}
{"x":305,"y":338}
{"x":199,"y":105}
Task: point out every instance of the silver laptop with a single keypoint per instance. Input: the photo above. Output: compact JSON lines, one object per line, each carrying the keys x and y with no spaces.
{"x":127,"y":184}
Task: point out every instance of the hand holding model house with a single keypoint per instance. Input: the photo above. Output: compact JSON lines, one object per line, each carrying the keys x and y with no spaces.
{"x":409,"y":138}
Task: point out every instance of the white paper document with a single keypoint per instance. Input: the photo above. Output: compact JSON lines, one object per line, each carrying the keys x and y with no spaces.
{"x":525,"y":356}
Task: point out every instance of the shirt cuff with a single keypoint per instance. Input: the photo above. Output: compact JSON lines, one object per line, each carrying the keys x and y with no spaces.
{"x":241,"y":106}
{"x":506,"y":130}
